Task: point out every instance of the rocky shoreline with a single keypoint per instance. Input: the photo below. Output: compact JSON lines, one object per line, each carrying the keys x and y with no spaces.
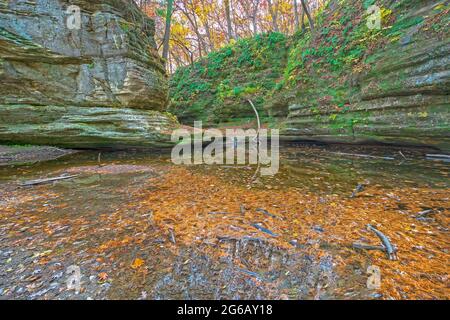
{"x":13,"y":155}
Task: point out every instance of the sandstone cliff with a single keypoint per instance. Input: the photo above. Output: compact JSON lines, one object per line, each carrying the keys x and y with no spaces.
{"x":100,"y":85}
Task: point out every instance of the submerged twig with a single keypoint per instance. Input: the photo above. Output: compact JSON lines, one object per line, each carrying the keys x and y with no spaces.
{"x":267,"y":213}
{"x":265,"y":230}
{"x":250,"y":273}
{"x":401,"y":153}
{"x":99,"y":159}
{"x":425,"y":213}
{"x":362,"y":155}
{"x":363,"y":246}
{"x":438,"y":156}
{"x":172,"y":236}
{"x":359,"y":188}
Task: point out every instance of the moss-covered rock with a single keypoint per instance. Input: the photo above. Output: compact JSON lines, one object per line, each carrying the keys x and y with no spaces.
{"x":98,"y":86}
{"x":215,"y":89}
{"x":389,"y":85}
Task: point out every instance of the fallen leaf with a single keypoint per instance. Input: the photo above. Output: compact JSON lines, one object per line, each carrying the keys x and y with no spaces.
{"x":103,"y":276}
{"x":137,"y":263}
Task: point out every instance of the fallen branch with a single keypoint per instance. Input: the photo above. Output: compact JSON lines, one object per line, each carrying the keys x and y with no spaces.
{"x":99,"y":159}
{"x":296,"y":244}
{"x":48,"y":180}
{"x":245,"y":238}
{"x":391,"y":252}
{"x":226,"y":238}
{"x":172,"y":236}
{"x":425,"y":213}
{"x":267,"y":213}
{"x":250,"y":273}
{"x":438,"y":156}
{"x":218,"y":212}
{"x":359,"y":188}
{"x":401,"y":153}
{"x":261,"y":228}
{"x":362,"y":155}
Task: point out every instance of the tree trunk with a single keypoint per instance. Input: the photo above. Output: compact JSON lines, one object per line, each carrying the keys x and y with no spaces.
{"x":193,"y":21}
{"x":255,"y":17}
{"x":208,"y":34}
{"x":166,"y":40}
{"x":274,"y":14}
{"x":306,"y":11}
{"x":303,"y":21}
{"x":205,"y":22}
{"x":228,"y":16}
{"x":297,"y":18}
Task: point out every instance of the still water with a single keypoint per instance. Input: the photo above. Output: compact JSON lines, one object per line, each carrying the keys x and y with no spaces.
{"x":140,"y":227}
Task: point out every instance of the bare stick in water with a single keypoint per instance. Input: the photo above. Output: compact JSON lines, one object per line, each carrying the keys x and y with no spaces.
{"x":363,"y":246}
{"x":48,"y":180}
{"x":391,"y":252}
{"x":257,"y":138}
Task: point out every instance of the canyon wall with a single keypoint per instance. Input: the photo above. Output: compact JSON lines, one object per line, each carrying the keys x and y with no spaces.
{"x":97,"y":84}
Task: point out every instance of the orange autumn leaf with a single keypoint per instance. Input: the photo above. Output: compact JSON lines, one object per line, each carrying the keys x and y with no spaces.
{"x":137,"y":263}
{"x":103,"y":276}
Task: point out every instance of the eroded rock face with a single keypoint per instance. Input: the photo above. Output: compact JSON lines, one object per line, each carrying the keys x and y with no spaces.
{"x":102,"y":85}
{"x":403,"y":99}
